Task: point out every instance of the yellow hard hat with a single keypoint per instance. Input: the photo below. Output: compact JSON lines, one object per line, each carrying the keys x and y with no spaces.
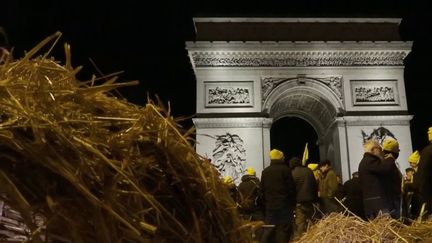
{"x":430,"y":134}
{"x":313,"y":166}
{"x":276,"y":155}
{"x":391,"y":144}
{"x":414,"y":157}
{"x":250,"y":171}
{"x":228,"y":180}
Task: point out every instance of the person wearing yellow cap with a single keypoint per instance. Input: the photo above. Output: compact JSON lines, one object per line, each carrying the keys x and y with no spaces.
{"x":394,"y":181}
{"x":306,"y":195}
{"x":250,"y":196}
{"x":316,"y":172}
{"x":425,"y":174}
{"x":411,"y":191}
{"x":279,"y":196}
{"x":232,"y":188}
{"x":414,"y":159}
{"x":373,"y":169}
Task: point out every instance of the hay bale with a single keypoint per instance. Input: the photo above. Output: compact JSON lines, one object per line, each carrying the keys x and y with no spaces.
{"x":338,"y":228}
{"x":100,"y":169}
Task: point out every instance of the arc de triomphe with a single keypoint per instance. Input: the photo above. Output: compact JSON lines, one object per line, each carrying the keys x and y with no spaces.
{"x":346,"y":90}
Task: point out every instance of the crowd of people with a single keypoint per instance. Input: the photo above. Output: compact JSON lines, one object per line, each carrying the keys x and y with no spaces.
{"x":290,"y":196}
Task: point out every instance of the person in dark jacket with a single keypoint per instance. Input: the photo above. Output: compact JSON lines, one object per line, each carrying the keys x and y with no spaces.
{"x":425,"y":174}
{"x":354,"y":196}
{"x":306,"y":195}
{"x":232,"y":188}
{"x":250,"y":196}
{"x":279,"y":196}
{"x":373,"y":170}
{"x":411,"y":192}
{"x":394,"y":181}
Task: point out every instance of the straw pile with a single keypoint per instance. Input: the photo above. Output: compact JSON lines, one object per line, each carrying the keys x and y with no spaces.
{"x":337,"y":228}
{"x":100,"y":169}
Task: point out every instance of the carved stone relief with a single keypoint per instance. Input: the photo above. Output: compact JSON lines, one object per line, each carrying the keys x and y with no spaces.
{"x":229,"y":156}
{"x":333,"y":82}
{"x":298,"y":58}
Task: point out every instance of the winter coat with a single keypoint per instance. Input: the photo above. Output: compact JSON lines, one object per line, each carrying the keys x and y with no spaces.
{"x":354,"y":196}
{"x":373,"y":173}
{"x":394,"y":180}
{"x":305,"y":184}
{"x":250,"y":194}
{"x":329,"y":185}
{"x":425,"y":174}
{"x":277,"y":185}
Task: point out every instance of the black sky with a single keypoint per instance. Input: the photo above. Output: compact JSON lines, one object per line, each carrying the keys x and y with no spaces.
{"x":146,"y":40}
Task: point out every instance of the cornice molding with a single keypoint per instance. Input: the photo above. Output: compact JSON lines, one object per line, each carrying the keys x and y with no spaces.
{"x":347,"y":58}
{"x":374,"y":120}
{"x":294,"y":20}
{"x":256,"y":122}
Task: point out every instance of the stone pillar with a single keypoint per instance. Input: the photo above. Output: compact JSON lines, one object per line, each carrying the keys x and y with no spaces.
{"x":354,"y":130}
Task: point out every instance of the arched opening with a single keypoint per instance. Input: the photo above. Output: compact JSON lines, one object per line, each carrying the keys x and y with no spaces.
{"x":290,"y":134}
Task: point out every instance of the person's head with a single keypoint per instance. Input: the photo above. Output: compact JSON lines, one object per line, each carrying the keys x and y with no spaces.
{"x":294,"y":162}
{"x":313,"y":166}
{"x":324,"y":165}
{"x":250,"y":171}
{"x":414,"y":159}
{"x":228,"y":180}
{"x":277,"y":155}
{"x":409,"y":172}
{"x":391,"y":145}
{"x":373,"y":147}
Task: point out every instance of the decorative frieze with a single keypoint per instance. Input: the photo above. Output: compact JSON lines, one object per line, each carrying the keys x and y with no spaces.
{"x":297,"y":58}
{"x":270,"y":83}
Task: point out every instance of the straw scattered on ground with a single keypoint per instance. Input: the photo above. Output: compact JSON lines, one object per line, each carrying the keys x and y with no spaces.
{"x":338,"y":228}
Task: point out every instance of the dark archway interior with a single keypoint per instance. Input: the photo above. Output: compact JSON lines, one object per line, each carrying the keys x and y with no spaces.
{"x":290,"y":134}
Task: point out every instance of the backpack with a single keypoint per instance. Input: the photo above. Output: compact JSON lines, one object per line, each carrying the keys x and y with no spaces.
{"x":250,"y":195}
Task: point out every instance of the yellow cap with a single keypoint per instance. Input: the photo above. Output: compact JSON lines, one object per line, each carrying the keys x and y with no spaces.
{"x":276,"y":155}
{"x":391,"y":144}
{"x":228,"y":180}
{"x":250,"y":171}
{"x":430,"y":134}
{"x":312,"y":166}
{"x":414,"y":157}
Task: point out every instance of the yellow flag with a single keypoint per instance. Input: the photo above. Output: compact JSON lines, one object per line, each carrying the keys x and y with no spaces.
{"x":305,"y":155}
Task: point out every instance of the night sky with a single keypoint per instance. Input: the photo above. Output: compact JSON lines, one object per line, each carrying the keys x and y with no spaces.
{"x":146,"y":40}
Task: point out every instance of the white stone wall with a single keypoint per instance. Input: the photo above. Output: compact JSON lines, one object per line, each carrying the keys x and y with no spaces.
{"x":254,"y":135}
